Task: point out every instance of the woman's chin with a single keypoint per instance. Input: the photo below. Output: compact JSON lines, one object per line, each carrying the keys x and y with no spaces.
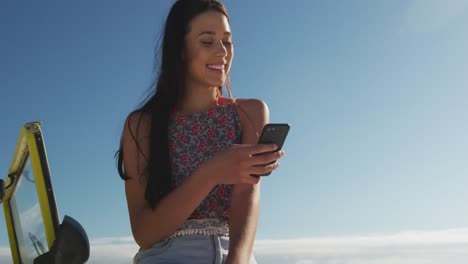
{"x":216,"y":83}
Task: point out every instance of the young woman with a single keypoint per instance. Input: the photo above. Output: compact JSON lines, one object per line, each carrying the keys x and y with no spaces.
{"x":188,"y":153}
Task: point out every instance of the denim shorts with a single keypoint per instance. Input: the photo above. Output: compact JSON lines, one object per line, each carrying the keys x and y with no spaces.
{"x":193,"y":249}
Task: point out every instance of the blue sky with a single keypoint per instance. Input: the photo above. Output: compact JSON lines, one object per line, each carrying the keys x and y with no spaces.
{"x":375,"y":93}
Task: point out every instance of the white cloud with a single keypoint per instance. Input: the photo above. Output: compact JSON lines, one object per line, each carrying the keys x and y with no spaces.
{"x":448,"y":246}
{"x":429,"y":247}
{"x":432,"y":15}
{"x":112,"y":250}
{"x":5,"y":255}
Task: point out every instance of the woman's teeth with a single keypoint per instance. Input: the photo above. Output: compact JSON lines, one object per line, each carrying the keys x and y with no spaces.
{"x":216,"y":67}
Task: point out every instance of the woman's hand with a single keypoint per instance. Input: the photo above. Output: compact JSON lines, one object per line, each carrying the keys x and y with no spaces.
{"x":236,"y":164}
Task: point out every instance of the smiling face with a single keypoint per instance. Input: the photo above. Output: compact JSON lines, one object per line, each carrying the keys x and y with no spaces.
{"x":208,"y":50}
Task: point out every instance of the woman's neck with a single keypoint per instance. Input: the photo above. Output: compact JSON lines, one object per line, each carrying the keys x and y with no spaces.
{"x":198,"y":100}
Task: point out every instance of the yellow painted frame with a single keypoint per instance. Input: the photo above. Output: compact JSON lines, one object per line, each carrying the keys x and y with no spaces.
{"x":31,"y":145}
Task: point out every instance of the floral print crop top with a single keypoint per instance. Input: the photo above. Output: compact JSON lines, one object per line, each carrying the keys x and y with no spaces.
{"x":194,"y":139}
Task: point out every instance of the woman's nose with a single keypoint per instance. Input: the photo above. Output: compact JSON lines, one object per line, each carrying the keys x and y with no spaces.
{"x":221,"y":49}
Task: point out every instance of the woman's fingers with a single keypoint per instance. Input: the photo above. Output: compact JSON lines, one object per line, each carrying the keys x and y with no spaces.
{"x":261,"y":148}
{"x":263,"y":169}
{"x":244,"y":160}
{"x":266,"y":158}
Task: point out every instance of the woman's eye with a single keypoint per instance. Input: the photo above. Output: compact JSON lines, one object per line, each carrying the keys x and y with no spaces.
{"x":209,"y":43}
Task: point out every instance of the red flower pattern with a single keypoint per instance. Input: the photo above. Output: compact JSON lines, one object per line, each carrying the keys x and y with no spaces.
{"x":181,"y":137}
{"x":215,"y":151}
{"x":220,"y":192}
{"x":231,"y":134}
{"x":195,"y":216}
{"x":202,"y":146}
{"x":180,"y":120}
{"x":185,"y":159}
{"x":213,"y":205}
{"x":211,"y":133}
{"x":211,"y":112}
{"x":222,"y":101}
{"x":223,"y":121}
{"x":196,"y":129}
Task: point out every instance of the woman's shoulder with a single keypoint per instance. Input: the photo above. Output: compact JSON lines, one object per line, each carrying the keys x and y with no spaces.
{"x":137,"y":117}
{"x":253,"y":115}
{"x":137,"y":121}
{"x":254,"y":107}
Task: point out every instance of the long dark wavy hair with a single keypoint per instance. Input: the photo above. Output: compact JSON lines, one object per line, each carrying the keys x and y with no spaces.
{"x":167,"y":91}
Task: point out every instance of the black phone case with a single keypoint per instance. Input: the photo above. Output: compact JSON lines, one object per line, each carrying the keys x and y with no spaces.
{"x":273,"y":134}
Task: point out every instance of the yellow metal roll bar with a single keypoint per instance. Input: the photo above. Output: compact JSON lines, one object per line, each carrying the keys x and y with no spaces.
{"x":30,"y":147}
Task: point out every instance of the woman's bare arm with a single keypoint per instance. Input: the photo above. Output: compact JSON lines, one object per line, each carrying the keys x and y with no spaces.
{"x":150,"y":226}
{"x":245,"y":199}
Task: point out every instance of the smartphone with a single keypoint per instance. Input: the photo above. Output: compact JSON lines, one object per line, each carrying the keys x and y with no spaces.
{"x":273,"y":133}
